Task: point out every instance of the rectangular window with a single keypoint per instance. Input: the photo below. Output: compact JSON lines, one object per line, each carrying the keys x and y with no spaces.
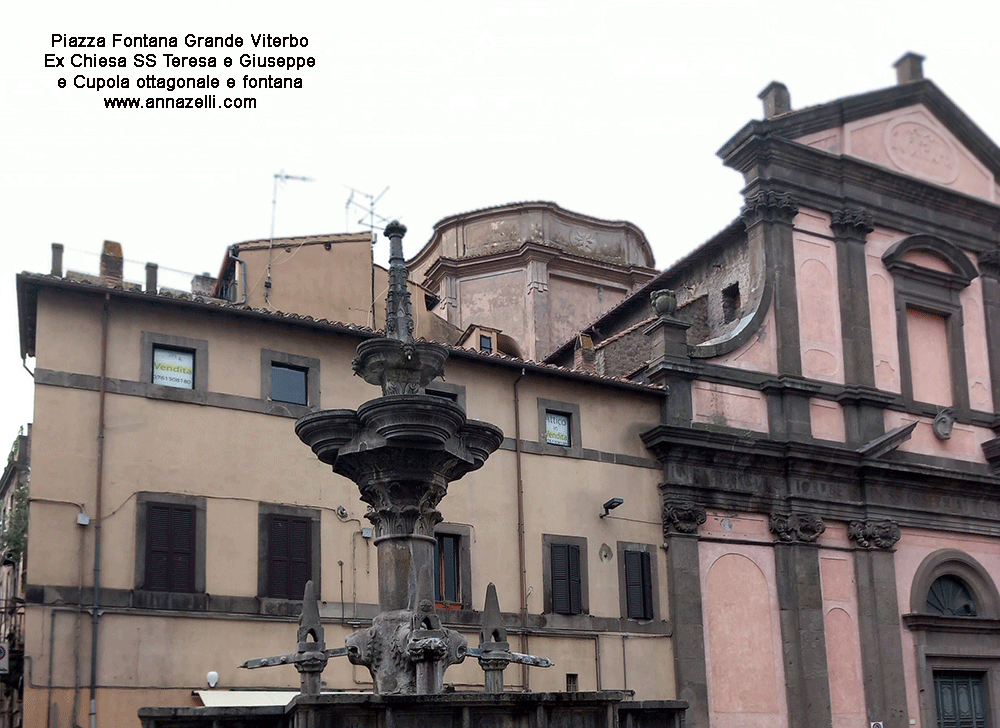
{"x":486,"y":344}
{"x":289,"y":384}
{"x":447,"y":571}
{"x":565,"y":573}
{"x":638,"y":585}
{"x":173,"y":367}
{"x":557,"y":429}
{"x":170,"y":547}
{"x":289,"y":557}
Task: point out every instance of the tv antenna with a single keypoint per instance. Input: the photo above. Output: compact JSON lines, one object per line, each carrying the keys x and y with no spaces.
{"x":374,"y":220}
{"x":279,"y":177}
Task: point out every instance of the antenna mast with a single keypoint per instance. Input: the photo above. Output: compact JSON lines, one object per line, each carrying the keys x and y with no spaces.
{"x":279,"y":177}
{"x":374,"y":220}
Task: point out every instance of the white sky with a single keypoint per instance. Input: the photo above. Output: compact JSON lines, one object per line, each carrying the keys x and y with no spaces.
{"x":613,"y":110}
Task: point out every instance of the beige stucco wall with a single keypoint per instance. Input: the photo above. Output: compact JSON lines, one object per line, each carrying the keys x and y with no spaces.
{"x":236,"y":459}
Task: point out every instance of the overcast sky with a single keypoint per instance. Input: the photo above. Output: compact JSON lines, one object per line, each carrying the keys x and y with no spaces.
{"x":613,"y":110}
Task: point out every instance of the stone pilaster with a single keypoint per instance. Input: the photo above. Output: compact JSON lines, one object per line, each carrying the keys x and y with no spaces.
{"x":803,"y":632}
{"x":537,"y":296}
{"x":878,"y":622}
{"x":681,"y":520}
{"x":851,"y":226}
{"x":768,"y":217}
{"x":989,"y":270}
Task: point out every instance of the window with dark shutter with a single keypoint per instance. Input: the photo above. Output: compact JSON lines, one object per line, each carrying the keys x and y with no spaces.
{"x":289,"y":558}
{"x":638,"y":585}
{"x":447,"y":581}
{"x":566,"y":585}
{"x":170,"y":547}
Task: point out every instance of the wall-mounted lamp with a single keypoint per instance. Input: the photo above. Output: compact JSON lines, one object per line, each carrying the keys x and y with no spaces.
{"x":611,"y":505}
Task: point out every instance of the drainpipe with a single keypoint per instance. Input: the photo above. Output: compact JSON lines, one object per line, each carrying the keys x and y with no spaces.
{"x":95,"y":614}
{"x":520,"y":533}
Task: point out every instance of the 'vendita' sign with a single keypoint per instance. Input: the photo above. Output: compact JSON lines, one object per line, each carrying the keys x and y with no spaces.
{"x":173,"y":368}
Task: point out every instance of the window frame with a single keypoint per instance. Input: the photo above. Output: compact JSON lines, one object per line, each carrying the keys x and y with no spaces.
{"x":569,"y":409}
{"x":446,"y":390}
{"x":265,"y":513}
{"x":548,"y":541}
{"x":198,"y":504}
{"x":650,"y":551}
{"x":150,"y":340}
{"x":308,"y":364}
{"x":464,"y":535}
{"x":935,"y":293}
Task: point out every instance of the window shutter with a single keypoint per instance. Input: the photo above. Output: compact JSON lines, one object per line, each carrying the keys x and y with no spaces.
{"x":560,"y":579}
{"x":299,"y":553}
{"x":170,"y":547}
{"x":575,"y":590}
{"x":647,"y":585}
{"x":278,"y":568}
{"x":157,"y":547}
{"x":289,"y":556}
{"x":566,"y":583}
{"x":638,"y":585}
{"x":182,"y":556}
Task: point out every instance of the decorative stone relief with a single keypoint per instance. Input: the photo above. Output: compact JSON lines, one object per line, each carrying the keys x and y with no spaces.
{"x":584,"y":239}
{"x":538,"y":277}
{"x":805,"y":528}
{"x":852,"y":222}
{"x":664,"y":302}
{"x":916,"y":148}
{"x":769,"y":206}
{"x":874,"y":534}
{"x":944,"y":421}
{"x":682,"y":517}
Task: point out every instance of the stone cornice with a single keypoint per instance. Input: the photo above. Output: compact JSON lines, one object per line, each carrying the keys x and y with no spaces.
{"x":895,"y":200}
{"x":517,"y":258}
{"x":837,"y":113}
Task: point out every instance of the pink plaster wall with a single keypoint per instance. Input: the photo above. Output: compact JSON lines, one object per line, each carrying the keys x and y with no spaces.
{"x":742,"y":635}
{"x":882,"y":309}
{"x":736,"y":525}
{"x":827,"y":420}
{"x":977,"y":358}
{"x":843,"y":647}
{"x":722,"y":404}
{"x":760,"y":353}
{"x":912,"y":141}
{"x":818,"y":298}
{"x":926,"y":260}
{"x":915,"y":546}
{"x":930,"y":369}
{"x":965,"y":443}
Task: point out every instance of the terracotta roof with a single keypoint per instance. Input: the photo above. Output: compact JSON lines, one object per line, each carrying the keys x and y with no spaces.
{"x":26,"y":318}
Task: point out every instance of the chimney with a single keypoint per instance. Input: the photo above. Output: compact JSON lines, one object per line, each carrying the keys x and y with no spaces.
{"x":584,"y":355}
{"x":57,"y":253}
{"x":112,"y":262}
{"x":909,"y":68}
{"x":776,"y":99}
{"x":151,"y":269}
{"x":203,"y":285}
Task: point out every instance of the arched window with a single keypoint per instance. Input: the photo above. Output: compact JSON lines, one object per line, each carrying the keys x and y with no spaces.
{"x":950,"y":596}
